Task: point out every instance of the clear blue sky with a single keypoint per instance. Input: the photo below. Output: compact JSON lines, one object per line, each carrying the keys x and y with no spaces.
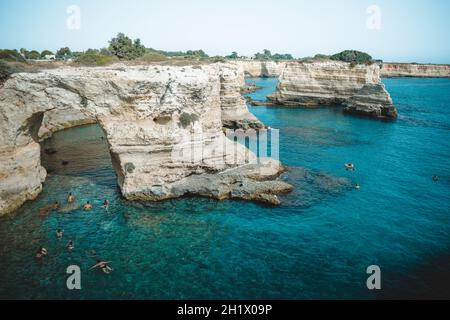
{"x":411,"y":30}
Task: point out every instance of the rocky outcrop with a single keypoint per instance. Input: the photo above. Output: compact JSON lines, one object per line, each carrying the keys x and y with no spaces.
{"x":372,"y":100}
{"x":235,"y":114}
{"x":257,"y":69}
{"x":322,"y":83}
{"x":309,"y":84}
{"x":415,"y":70}
{"x":163,"y":125}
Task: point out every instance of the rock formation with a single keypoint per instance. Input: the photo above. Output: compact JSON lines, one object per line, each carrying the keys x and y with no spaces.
{"x":256,"y":69}
{"x":235,"y":114}
{"x":372,"y":100}
{"x":163,"y":124}
{"x":309,"y":84}
{"x":415,"y":70}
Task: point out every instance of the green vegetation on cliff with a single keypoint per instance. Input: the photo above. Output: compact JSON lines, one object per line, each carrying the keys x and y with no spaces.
{"x":352,"y":56}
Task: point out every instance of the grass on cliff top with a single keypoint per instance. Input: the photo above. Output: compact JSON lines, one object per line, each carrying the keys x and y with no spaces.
{"x":95,"y":59}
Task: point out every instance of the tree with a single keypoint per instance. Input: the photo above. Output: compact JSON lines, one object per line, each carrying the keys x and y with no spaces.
{"x":64,"y":53}
{"x":124,"y":48}
{"x":233,"y":55}
{"x":265,"y":55}
{"x":46,"y":53}
{"x":33,"y":55}
{"x":285,"y":56}
{"x":24,"y":52}
{"x":197,"y":53}
{"x":352,"y":56}
{"x":92,"y":51}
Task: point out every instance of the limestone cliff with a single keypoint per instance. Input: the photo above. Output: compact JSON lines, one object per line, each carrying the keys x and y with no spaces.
{"x":372,"y":100}
{"x":163,"y":125}
{"x":415,"y":70}
{"x":309,"y":84}
{"x":255,"y":68}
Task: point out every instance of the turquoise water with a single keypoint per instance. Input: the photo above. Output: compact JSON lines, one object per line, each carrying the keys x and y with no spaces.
{"x":317,"y":244}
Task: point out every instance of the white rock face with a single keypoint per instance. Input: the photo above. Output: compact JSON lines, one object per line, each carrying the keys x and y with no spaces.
{"x":254,"y":68}
{"x":234,"y":108}
{"x":309,"y":84}
{"x":415,"y":70}
{"x":163,"y":125}
{"x":372,"y":100}
{"x":325,"y":82}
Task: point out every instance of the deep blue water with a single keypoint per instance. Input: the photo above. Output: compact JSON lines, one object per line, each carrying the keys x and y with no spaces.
{"x":317,"y":244}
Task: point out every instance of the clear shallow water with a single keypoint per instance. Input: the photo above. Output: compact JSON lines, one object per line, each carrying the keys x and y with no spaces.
{"x":318,"y":244}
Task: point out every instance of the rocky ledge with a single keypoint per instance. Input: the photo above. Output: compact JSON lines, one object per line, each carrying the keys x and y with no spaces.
{"x":165,"y":127}
{"x":310,"y":84}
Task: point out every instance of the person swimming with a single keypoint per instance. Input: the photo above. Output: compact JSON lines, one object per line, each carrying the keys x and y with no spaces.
{"x":357,"y":187}
{"x":349,"y":166}
{"x":41,"y":253}
{"x":103,"y":265}
{"x":70,"y":245}
{"x":106,"y":204}
{"x":70,"y":198}
{"x":59,"y":233}
{"x":56,"y":205}
{"x":435,"y":178}
{"x":87,"y":206}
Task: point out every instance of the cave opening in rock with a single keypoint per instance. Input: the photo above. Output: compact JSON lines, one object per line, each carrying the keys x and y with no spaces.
{"x":79,"y":151}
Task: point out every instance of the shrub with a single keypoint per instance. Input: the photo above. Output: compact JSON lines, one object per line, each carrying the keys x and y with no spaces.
{"x":186,"y":119}
{"x":352,"y":56}
{"x":5,"y":71}
{"x":46,"y":53}
{"x":124,"y":48}
{"x":129,"y":167}
{"x":11,"y":56}
{"x":153,"y":57}
{"x":320,"y":56}
{"x":94,"y":59}
{"x":33,"y":55}
{"x":64,"y":53}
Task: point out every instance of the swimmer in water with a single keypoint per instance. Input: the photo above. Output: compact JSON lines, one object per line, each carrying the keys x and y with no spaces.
{"x":357,"y":187}
{"x":70,"y":198}
{"x":106,"y":204}
{"x":56,"y":205}
{"x":435,"y":178}
{"x":41,"y":253}
{"x":59,"y":233}
{"x":87,"y":206}
{"x":103,"y":265}
{"x":70,"y":245}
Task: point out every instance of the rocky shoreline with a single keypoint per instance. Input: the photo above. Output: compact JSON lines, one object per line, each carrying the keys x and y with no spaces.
{"x":164,"y":127}
{"x":414,"y":70}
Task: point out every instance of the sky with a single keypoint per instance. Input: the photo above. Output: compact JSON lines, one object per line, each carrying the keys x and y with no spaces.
{"x":400,"y":30}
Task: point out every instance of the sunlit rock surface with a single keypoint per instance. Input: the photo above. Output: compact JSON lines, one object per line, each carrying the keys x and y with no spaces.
{"x":164,"y":127}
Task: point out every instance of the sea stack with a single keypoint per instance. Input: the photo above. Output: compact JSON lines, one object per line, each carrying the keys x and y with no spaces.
{"x":311,"y":84}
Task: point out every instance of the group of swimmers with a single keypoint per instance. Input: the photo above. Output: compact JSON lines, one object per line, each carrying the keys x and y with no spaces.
{"x":44,"y":211}
{"x":42,"y":252}
{"x":351,"y":167}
